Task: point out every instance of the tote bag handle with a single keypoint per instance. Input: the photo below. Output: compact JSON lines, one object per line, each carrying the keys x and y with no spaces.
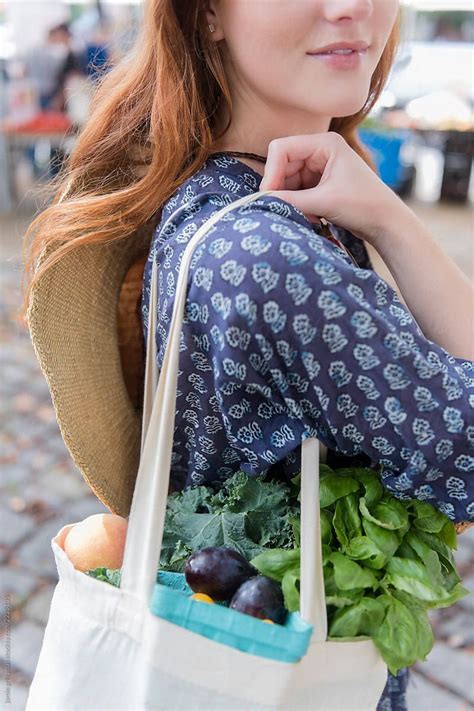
{"x":148,"y":509}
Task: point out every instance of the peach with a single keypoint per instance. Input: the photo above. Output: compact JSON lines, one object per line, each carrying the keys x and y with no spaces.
{"x":97,"y":542}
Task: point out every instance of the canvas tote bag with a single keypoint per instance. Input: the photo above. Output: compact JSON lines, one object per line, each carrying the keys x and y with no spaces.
{"x":104,"y":648}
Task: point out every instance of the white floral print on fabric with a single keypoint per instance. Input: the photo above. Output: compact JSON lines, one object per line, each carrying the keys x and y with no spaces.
{"x":284,"y":337}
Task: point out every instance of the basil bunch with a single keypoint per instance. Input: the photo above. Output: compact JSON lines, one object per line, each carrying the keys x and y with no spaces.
{"x":385,"y":561}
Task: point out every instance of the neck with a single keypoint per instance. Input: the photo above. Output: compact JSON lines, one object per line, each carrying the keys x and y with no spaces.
{"x":254,"y":161}
{"x":254,"y":124}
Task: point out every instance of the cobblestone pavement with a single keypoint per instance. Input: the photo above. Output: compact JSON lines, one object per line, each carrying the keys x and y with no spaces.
{"x":41,"y":490}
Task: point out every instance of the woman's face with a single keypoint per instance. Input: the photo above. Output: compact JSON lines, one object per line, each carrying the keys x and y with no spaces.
{"x":265,"y":51}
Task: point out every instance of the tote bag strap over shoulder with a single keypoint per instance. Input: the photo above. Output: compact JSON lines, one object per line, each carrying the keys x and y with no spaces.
{"x":147,"y":513}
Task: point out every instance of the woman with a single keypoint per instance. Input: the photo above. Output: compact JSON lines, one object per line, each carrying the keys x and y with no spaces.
{"x":284,"y":333}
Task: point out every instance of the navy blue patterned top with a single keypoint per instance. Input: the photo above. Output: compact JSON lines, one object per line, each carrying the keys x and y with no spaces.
{"x":284,"y":335}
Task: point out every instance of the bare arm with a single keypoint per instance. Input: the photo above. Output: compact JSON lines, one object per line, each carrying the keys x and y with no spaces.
{"x":438,"y":294}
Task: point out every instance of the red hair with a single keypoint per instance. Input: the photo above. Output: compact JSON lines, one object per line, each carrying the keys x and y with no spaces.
{"x":151,"y":127}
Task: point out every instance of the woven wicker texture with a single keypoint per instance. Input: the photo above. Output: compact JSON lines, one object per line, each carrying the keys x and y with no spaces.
{"x":130,"y":333}
{"x":71,"y":326}
{"x":463,"y":526}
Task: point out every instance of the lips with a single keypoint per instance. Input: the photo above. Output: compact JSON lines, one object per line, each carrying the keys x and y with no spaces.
{"x":341,"y":47}
{"x":339,"y":51}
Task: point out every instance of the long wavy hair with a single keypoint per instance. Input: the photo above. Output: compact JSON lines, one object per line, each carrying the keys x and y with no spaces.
{"x":152,"y":124}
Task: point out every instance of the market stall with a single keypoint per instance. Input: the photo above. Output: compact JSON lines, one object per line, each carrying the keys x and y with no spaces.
{"x":46,"y":132}
{"x":425,"y":115}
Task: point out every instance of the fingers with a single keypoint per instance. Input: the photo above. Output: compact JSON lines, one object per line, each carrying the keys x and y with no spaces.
{"x":293,"y":182}
{"x":304,"y":154}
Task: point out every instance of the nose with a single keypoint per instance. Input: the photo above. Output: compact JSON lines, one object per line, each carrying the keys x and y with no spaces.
{"x":343,"y":10}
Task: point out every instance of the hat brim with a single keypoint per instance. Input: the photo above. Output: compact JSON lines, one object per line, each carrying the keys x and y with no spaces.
{"x":72,"y":319}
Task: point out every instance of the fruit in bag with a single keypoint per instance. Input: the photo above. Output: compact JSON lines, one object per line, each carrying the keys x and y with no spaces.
{"x":97,"y":542}
{"x":201,"y":597}
{"x":217,"y":571}
{"x":260,"y":597}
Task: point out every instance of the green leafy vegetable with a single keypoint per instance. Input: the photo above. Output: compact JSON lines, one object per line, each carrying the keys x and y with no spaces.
{"x":334,"y":486}
{"x":427,"y":518}
{"x":396,"y":635}
{"x":364,"y":549}
{"x":247,"y":513}
{"x":362,"y":619}
{"x":386,"y":514}
{"x":349,"y":575}
{"x":387,"y":541}
{"x":291,"y":590}
{"x":386,"y":562}
{"x":347,"y":522}
{"x":106,"y":575}
{"x":275,"y":563}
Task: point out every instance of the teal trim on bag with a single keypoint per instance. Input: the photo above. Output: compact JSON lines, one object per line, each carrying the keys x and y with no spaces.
{"x":285,"y":643}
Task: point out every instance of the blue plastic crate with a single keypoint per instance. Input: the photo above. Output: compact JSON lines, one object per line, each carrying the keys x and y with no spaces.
{"x":171,"y":600}
{"x":385,"y":149}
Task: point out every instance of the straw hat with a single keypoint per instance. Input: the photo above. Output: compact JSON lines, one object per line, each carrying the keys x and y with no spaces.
{"x":85,"y":326}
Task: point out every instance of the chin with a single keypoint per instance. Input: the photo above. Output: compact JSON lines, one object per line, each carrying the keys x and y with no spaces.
{"x":347,"y":106}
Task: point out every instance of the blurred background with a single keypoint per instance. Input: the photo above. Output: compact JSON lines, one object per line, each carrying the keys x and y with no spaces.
{"x":51,"y":52}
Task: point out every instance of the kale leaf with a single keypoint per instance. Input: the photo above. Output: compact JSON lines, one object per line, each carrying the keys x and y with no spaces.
{"x":246,"y":513}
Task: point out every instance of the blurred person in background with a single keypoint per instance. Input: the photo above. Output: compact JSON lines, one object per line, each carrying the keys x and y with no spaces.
{"x":45,"y":65}
{"x":49,"y":65}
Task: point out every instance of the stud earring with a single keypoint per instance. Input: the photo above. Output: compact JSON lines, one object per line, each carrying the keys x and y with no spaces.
{"x":211,"y":28}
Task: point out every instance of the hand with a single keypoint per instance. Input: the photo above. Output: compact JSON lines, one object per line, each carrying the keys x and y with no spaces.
{"x":323,"y":176}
